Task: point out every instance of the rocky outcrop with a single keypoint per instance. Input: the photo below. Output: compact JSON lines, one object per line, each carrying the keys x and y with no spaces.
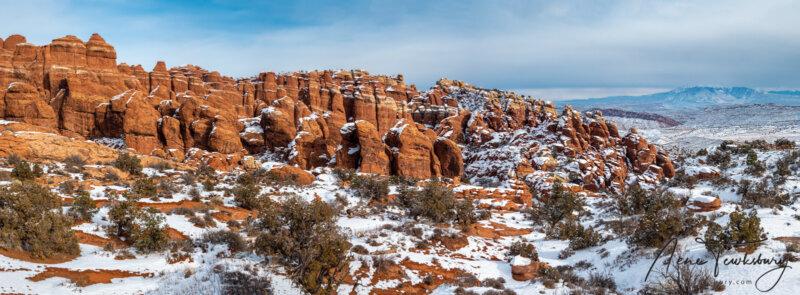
{"x":411,"y":146}
{"x":292,"y":174}
{"x":363,"y":149}
{"x":450,"y":159}
{"x":348,"y":119}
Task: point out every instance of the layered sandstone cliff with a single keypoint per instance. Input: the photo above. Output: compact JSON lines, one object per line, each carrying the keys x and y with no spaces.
{"x":348,"y":119}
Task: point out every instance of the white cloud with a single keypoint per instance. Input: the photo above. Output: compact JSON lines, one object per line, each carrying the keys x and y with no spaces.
{"x":495,"y":44}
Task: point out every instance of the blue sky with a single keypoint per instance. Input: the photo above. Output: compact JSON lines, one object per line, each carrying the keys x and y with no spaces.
{"x":552,"y":45}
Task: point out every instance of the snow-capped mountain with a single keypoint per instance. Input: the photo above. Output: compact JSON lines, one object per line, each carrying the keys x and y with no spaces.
{"x":696,"y":97}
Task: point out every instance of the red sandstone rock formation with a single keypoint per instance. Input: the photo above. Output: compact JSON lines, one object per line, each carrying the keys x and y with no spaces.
{"x":349,"y":119}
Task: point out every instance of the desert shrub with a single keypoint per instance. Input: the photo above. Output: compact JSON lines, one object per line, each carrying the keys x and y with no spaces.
{"x":583,"y":237}
{"x":523,"y":249}
{"x":720,"y":159}
{"x":752,"y":158}
{"x":761,"y":194}
{"x":111,"y":176}
{"x":142,"y":228}
{"x":382,"y":263}
{"x":664,"y":217}
{"x":149,"y":235}
{"x":246,"y":195}
{"x":22,"y":170}
{"x":202,"y":222}
{"x":83,"y":207}
{"x":160,"y":166}
{"x":242,"y":283}
{"x":633,"y":201}
{"x":195,"y":194}
{"x":370,"y":187}
{"x":234,"y":241}
{"x":437,"y":203}
{"x":782,"y":167}
{"x":401,"y":180}
{"x":602,"y":280}
{"x":701,"y":152}
{"x":205,"y":171}
{"x":68,"y":187}
{"x":682,"y":279}
{"x":462,"y":291}
{"x":165,"y":189}
{"x":123,"y":214}
{"x":31,"y":221}
{"x":549,"y":276}
{"x":559,"y":205}
{"x":74,"y":163}
{"x":305,"y":238}
{"x":787,"y":164}
{"x":183,"y":211}
{"x":756,"y":169}
{"x":742,"y":231}
{"x":144,"y":187}
{"x":13,"y":159}
{"x":128,"y":163}
{"x":784,"y":144}
{"x":344,"y":174}
{"x":495,"y":283}
{"x":267,"y":177}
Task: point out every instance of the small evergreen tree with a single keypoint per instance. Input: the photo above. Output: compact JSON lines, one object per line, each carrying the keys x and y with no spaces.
{"x":83,"y":207}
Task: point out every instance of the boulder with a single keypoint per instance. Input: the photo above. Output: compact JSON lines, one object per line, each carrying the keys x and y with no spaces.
{"x":524,"y":269}
{"x":704,"y":203}
{"x":293,"y":174}
{"x":224,"y":138}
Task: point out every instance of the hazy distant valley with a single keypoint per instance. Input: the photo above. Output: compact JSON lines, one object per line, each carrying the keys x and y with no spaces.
{"x":705,"y":115}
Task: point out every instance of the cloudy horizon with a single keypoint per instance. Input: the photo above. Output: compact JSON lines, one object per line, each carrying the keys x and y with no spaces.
{"x":549,"y":46}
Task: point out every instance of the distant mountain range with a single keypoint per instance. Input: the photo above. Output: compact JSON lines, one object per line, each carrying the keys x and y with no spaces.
{"x":690,"y":98}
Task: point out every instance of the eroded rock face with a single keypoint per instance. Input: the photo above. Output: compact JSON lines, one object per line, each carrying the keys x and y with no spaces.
{"x":349,"y":119}
{"x":363,"y":149}
{"x":412,"y":151}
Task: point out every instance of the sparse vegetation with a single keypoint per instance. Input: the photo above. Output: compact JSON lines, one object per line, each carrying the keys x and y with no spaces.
{"x":559,"y":205}
{"x":437,"y":203}
{"x":83,"y":207}
{"x":22,"y":170}
{"x":682,"y":279}
{"x":233,"y":240}
{"x":74,"y":163}
{"x":247,"y":195}
{"x":128,"y":163}
{"x":523,"y":249}
{"x":784,"y":144}
{"x":305,"y":239}
{"x":370,"y":187}
{"x":144,"y":188}
{"x":743,"y":231}
{"x":761,"y":194}
{"x":719,"y":158}
{"x":31,"y":221}
{"x":142,"y":228}
{"x":242,"y":283}
{"x":149,"y":234}
{"x":663,"y":218}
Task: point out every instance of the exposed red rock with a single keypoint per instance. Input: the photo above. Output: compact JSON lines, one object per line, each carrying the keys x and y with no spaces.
{"x":348,"y":119}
